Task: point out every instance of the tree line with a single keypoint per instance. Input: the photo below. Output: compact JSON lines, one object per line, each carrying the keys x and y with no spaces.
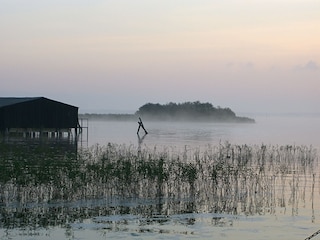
{"x":188,"y":111}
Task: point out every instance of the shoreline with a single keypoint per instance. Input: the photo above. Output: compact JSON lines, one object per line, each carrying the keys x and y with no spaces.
{"x":164,"y":118}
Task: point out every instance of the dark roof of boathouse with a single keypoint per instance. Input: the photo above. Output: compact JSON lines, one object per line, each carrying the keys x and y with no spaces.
{"x":5,"y":101}
{"x":36,"y":112}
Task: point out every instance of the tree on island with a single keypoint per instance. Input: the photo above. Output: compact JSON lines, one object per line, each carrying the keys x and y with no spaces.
{"x":189,"y":111}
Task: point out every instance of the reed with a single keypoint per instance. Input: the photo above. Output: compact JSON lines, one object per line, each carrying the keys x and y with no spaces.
{"x":236,"y":179}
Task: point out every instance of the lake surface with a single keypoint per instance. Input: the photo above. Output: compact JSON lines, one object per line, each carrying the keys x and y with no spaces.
{"x":182,"y":180}
{"x":273,"y":130}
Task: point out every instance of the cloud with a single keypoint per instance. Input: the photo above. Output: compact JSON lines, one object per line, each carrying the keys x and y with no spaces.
{"x":249,"y":65}
{"x":309,"y":66}
{"x":240,"y":65}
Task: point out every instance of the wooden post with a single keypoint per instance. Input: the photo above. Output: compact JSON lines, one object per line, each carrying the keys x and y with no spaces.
{"x":141,"y":125}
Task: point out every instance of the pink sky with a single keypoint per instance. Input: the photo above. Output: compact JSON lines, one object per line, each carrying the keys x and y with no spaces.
{"x":251,"y":56}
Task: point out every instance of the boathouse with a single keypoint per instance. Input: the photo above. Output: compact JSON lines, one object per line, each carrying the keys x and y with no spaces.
{"x":37,"y":114}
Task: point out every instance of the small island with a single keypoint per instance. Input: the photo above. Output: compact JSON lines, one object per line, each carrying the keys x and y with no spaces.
{"x":187,"y":111}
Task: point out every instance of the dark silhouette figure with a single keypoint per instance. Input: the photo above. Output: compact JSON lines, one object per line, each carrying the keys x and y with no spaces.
{"x":141,"y":126}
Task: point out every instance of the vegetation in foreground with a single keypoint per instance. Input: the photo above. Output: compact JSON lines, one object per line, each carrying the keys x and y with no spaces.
{"x":231,"y":179}
{"x":188,"y":111}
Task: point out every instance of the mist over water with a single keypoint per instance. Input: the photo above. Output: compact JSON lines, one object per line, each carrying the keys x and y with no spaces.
{"x":273,"y":130}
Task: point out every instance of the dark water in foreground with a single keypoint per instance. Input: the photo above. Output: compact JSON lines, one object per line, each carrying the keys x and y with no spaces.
{"x":207,"y":189}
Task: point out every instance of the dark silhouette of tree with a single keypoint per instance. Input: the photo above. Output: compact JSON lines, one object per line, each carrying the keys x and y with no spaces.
{"x":188,"y":111}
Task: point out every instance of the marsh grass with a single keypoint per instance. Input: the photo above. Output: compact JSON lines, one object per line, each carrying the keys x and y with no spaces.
{"x":233,"y":179}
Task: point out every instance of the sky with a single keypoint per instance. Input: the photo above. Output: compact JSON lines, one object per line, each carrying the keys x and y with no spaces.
{"x":113,"y":56}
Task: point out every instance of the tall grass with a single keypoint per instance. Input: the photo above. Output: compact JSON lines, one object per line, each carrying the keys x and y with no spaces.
{"x":235,"y":179}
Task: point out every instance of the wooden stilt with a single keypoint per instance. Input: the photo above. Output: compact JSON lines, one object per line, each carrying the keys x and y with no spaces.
{"x":141,"y":126}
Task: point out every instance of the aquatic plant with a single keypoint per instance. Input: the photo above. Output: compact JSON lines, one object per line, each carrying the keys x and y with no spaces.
{"x":224,"y":178}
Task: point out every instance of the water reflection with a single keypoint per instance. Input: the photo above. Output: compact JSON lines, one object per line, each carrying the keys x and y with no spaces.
{"x":140,"y":141}
{"x":56,"y":184}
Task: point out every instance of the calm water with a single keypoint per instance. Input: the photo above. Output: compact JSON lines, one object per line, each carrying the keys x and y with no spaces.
{"x":282,"y":130}
{"x":182,"y":180}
